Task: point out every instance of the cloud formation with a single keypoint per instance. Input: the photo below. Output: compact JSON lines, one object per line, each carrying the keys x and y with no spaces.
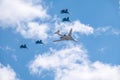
{"x":15,"y":11}
{"x":7,"y":73}
{"x":77,"y":26}
{"x":21,"y":15}
{"x":6,"y":48}
{"x":33,"y":30}
{"x":29,"y":17}
{"x":72,"y":63}
{"x":106,"y":30}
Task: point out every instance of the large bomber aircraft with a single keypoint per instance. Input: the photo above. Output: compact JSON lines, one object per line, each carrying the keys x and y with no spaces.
{"x":65,"y":37}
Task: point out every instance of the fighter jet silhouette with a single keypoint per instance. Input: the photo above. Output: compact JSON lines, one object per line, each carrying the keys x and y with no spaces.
{"x":39,"y":42}
{"x":64,"y":11}
{"x":23,"y":46}
{"x":64,"y":37}
{"x":66,"y":19}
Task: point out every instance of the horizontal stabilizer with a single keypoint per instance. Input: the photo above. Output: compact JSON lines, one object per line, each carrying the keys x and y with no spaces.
{"x":57,"y":32}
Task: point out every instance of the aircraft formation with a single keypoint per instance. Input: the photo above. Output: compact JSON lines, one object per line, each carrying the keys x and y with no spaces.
{"x":63,"y":37}
{"x":65,"y":11}
{"x":24,"y":46}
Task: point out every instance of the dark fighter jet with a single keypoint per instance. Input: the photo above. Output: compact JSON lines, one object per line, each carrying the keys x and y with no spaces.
{"x":23,"y":46}
{"x":66,"y":19}
{"x":39,"y":42}
{"x":64,"y":11}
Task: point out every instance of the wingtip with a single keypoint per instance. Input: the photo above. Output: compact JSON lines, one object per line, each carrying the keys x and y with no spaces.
{"x":75,"y":40}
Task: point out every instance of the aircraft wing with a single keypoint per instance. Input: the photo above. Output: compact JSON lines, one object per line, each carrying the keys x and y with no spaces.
{"x":70,"y":32}
{"x":57,"y":40}
{"x":75,"y":40}
{"x":60,"y":34}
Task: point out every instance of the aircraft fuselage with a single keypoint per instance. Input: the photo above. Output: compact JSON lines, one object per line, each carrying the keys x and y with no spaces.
{"x":66,"y":38}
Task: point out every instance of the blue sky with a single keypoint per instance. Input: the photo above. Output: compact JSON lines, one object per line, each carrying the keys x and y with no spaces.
{"x":95,"y":26}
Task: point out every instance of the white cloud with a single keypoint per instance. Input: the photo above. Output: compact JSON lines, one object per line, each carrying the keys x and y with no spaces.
{"x":72,"y":63}
{"x":95,"y":71}
{"x":6,"y":48}
{"x":14,"y":11}
{"x":33,"y":30}
{"x":115,"y":32}
{"x":103,"y":29}
{"x":7,"y":73}
{"x":77,"y":27}
{"x":20,"y":15}
{"x":106,"y":30}
{"x":61,"y":58}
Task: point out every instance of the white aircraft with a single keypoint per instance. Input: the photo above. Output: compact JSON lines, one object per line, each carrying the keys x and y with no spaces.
{"x":64,"y":37}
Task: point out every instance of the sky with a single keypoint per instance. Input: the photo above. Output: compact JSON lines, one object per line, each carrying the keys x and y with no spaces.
{"x":95,"y":25}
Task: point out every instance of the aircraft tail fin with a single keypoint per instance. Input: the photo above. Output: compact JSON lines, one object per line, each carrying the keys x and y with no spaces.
{"x":57,"y":32}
